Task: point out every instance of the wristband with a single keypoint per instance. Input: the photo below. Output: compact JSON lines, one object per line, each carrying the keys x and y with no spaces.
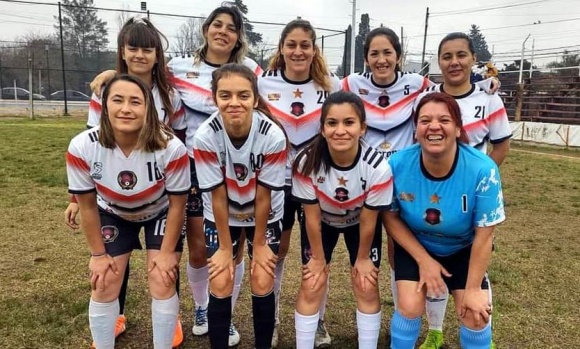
{"x":98,"y":254}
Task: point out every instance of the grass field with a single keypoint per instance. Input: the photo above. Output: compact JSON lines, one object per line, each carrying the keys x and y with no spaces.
{"x":44,"y":288}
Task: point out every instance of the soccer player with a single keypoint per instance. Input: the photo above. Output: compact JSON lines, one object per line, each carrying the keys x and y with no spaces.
{"x":140,"y":54}
{"x":129,"y":173}
{"x":447,"y":201}
{"x":240,"y":154}
{"x":484,"y":119}
{"x":224,"y":42}
{"x":294,"y":87}
{"x":342,"y":184}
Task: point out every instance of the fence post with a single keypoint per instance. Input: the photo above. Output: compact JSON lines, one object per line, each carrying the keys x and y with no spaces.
{"x":519,"y":101}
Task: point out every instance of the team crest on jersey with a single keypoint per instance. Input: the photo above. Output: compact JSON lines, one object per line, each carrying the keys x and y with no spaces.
{"x":97,"y":170}
{"x":383,"y":101}
{"x":386,"y":146}
{"x":192,"y":75}
{"x":407,"y":197}
{"x":127,"y":180}
{"x":274,"y":97}
{"x":297,"y":108}
{"x":363,"y":91}
{"x":271,"y":238}
{"x":241,"y":171}
{"x":109,"y":233}
{"x":432,"y":216}
{"x":341,"y":194}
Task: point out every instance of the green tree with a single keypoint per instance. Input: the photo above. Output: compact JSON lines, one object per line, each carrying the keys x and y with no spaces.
{"x":363,"y":29}
{"x":83,"y":30}
{"x":479,"y":43}
{"x":568,"y":60}
{"x":253,"y":37}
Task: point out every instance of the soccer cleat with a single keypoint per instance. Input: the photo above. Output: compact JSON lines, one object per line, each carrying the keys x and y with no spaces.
{"x":178,"y":336}
{"x":234,"y":337}
{"x":200,"y":325}
{"x":275,"y":334}
{"x":322,"y":338}
{"x":120,"y":327}
{"x":434,"y":340}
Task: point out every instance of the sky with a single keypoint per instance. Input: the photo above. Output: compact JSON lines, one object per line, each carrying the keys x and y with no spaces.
{"x":553,"y":25}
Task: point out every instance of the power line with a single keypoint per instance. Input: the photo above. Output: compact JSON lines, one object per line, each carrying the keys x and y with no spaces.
{"x":482,"y":9}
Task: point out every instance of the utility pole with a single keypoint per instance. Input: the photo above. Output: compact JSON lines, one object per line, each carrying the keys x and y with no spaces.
{"x":425,"y":41}
{"x":522,"y":59}
{"x":532,"y":59}
{"x":30,"y":99}
{"x":352,"y":36}
{"x":402,"y":58}
{"x":47,"y":70}
{"x":62,"y":59}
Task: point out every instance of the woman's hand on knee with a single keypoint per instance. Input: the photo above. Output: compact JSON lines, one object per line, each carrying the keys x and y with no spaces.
{"x":430,"y":276}
{"x":99,"y":266}
{"x":313,"y":271}
{"x":365,"y":273}
{"x":167,"y":263}
{"x":475,"y":304}
{"x":221,"y":261}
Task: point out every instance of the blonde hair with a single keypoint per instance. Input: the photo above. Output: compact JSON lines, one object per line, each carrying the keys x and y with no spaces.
{"x":318,"y":69}
{"x":241,"y":47}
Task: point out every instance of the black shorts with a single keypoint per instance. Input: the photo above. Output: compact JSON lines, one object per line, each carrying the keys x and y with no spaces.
{"x":351,"y":240}
{"x":273,"y":233}
{"x":291,"y":208}
{"x":457,"y":264}
{"x":194,"y":207}
{"x":121,"y":236}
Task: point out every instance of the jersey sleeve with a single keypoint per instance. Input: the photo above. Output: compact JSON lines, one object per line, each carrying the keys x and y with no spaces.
{"x":345,"y":84}
{"x":207,"y":162}
{"x":253,"y":65}
{"x":94,"y":117}
{"x":177,"y":175}
{"x":178,"y":120}
{"x":78,"y":167}
{"x":499,"y":126}
{"x":335,"y":83}
{"x":302,"y":186}
{"x":489,"y":205}
{"x":380,"y":191}
{"x":273,"y":172}
{"x":391,"y":161}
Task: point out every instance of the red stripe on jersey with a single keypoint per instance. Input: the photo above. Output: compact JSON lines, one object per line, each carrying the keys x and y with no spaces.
{"x":304,"y":180}
{"x":177,"y":164}
{"x":208,"y":157}
{"x":345,"y":86}
{"x":275,"y":158}
{"x":130,"y":198}
{"x":242,"y":191}
{"x":77,"y":162}
{"x":498,"y":114}
{"x":95,"y":106}
{"x":393,"y":108}
{"x":382,"y":186}
{"x":292,"y":119}
{"x":258,"y":71}
{"x":351,"y":204}
{"x":189,"y":86}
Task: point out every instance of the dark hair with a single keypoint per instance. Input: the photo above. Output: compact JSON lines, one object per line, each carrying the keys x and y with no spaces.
{"x":390,"y":35}
{"x":230,"y":69}
{"x":318,"y":69}
{"x":452,"y":106}
{"x":140,"y":32}
{"x":455,"y":36}
{"x":241,"y":47}
{"x":316,"y":152}
{"x":154,"y":134}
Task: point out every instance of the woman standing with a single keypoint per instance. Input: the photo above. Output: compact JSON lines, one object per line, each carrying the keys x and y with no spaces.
{"x":294,"y":87}
{"x":447,"y":202}
{"x":241,"y":155}
{"x":127,"y":174}
{"x":140,"y":54}
{"x":342,"y":184}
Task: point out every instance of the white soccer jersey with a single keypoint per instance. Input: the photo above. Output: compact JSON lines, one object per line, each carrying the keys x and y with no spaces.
{"x":193,"y":81}
{"x":260,"y":160}
{"x":177,"y":123}
{"x":134,"y":188}
{"x":389,"y":108}
{"x":484,"y":116}
{"x":343,"y":191}
{"x":296,"y":105}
